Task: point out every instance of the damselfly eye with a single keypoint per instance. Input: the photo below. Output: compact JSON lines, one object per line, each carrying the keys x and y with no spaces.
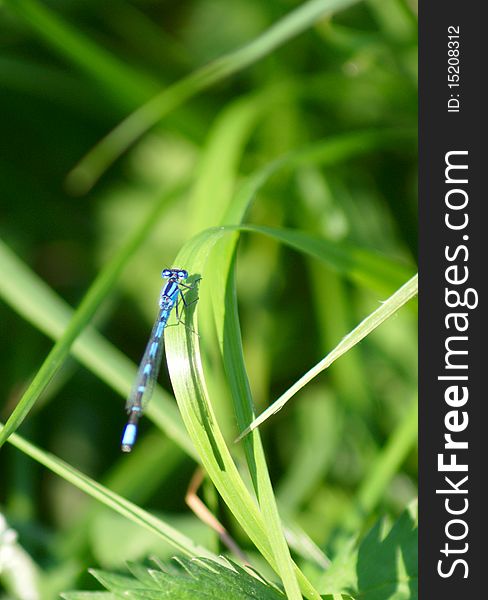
{"x":183,"y":274}
{"x":166,"y":273}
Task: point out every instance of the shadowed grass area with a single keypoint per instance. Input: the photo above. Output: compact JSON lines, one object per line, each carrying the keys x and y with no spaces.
{"x":270,"y":149}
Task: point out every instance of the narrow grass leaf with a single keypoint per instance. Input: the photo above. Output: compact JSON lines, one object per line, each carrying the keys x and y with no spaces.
{"x":109,"y":498}
{"x":364,"y":267}
{"x":369,"y":324}
{"x":126,"y":86}
{"x":184,"y":362}
{"x":228,"y":332}
{"x":99,"y":159}
{"x":217,"y":178}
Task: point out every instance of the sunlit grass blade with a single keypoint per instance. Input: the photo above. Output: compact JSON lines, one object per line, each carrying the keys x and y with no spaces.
{"x":218,"y":169}
{"x":227,"y":322}
{"x":97,"y":161}
{"x":81,"y":317}
{"x":218,"y":176}
{"x":330,"y":151}
{"x":382,"y":564}
{"x":184,"y":363}
{"x":109,"y":498}
{"x":388,"y":308}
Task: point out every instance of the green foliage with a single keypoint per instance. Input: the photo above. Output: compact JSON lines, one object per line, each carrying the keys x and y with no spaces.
{"x":268,"y":148}
{"x":383,"y":566}
{"x":185,"y":580}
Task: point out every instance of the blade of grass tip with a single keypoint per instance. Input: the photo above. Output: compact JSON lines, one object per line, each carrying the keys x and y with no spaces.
{"x":98,"y":291}
{"x":389,"y":307}
{"x":109,"y":498}
{"x":92,"y":166}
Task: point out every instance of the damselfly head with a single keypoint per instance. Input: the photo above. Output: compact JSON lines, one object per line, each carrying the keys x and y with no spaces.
{"x":178,"y":273}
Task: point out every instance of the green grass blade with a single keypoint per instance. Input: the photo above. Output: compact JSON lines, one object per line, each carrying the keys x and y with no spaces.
{"x":189,"y":384}
{"x":81,"y":317}
{"x":97,"y":161}
{"x":327,"y":152}
{"x":109,"y":498}
{"x":232,"y":353}
{"x":388,"y":308}
{"x":125,"y":85}
{"x":219,"y":164}
{"x":218,"y":173}
{"x":364,"y":267}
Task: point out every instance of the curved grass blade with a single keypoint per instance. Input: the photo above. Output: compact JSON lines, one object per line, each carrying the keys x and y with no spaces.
{"x":327,"y":152}
{"x":218,"y":173}
{"x":188,"y":380}
{"x":110,"y":499}
{"x":364,"y":267}
{"x":98,"y":160}
{"x":220,"y":264}
{"x":390,"y":306}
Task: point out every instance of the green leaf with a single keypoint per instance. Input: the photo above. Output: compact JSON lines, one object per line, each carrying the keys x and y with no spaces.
{"x":186,"y":580}
{"x":383,"y":566}
{"x":191,"y":391}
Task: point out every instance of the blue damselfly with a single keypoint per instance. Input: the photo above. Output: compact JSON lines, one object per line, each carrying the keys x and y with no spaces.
{"x":151,"y":361}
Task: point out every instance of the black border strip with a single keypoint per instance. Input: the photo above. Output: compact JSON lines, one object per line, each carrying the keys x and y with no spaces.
{"x":452,"y":120}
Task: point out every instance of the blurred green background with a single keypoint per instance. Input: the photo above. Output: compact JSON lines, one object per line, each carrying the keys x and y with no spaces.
{"x":69,"y":73}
